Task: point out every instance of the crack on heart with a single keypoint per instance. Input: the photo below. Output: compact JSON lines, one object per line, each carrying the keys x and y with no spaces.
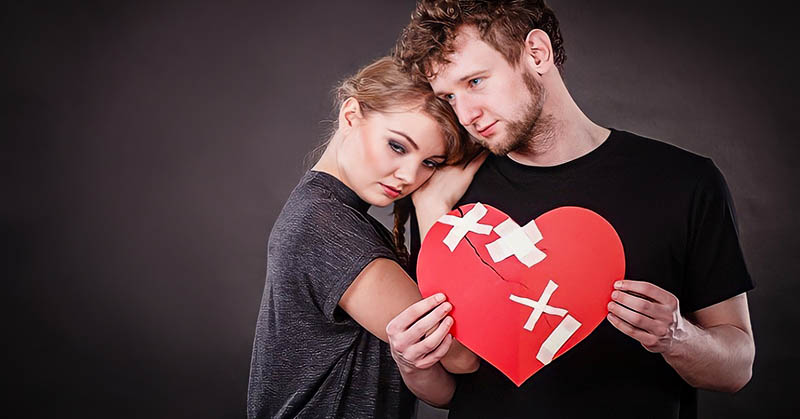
{"x":474,"y":249}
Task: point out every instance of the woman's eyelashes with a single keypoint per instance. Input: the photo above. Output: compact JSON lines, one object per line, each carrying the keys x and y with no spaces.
{"x":430,"y":164}
{"x":397,"y":147}
{"x":401,"y":149}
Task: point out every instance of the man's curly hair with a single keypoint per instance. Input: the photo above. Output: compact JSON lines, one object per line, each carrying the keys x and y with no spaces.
{"x":503,"y":24}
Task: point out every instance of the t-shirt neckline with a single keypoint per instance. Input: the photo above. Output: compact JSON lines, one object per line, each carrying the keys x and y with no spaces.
{"x":338,"y":190}
{"x":513,"y":168}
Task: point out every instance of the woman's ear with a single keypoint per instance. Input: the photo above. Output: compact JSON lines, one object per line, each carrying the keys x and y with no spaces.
{"x":350,"y":113}
{"x":538,"y":51}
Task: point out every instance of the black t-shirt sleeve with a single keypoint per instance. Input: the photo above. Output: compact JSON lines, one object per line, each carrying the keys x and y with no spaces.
{"x":716,"y":268}
{"x":414,"y":244}
{"x":340,"y":243}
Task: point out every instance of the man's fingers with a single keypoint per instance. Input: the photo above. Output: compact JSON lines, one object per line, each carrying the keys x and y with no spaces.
{"x":642,"y":305}
{"x":410,"y":315}
{"x":638,"y":320}
{"x":647,"y":290}
{"x":646,"y":339}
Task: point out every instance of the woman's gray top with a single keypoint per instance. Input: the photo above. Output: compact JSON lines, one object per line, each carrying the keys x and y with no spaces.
{"x":310,"y":359}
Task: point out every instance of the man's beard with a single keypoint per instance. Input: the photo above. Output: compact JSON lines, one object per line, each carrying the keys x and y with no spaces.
{"x":520,"y":133}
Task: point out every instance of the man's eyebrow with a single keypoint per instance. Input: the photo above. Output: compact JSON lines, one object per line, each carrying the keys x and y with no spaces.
{"x":416,"y":147}
{"x":463,"y":79}
{"x":471,"y":75}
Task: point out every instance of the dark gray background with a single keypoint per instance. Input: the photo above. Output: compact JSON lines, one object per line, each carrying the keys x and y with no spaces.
{"x":148,"y":148}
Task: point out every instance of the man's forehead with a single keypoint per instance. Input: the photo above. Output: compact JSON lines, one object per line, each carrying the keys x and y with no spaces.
{"x":469,"y":50}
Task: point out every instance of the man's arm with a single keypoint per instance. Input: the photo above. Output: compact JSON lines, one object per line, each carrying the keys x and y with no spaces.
{"x":711,"y":349}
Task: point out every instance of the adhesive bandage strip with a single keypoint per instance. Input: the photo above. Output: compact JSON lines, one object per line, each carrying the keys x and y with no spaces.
{"x":517,"y":241}
{"x":540,"y":306}
{"x":557,"y":339}
{"x":465,"y":224}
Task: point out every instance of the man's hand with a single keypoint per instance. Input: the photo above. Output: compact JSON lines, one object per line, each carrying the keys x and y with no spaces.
{"x":649,"y":314}
{"x":714,"y":351}
{"x":412,"y":347}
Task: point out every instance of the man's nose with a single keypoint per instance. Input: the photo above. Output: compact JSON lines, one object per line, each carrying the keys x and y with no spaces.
{"x":467,"y":110}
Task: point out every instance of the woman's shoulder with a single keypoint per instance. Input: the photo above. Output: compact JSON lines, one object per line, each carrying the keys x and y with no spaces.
{"x":313,"y":212}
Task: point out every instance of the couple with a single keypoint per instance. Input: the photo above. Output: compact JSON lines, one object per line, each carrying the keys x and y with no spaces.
{"x":343,"y":330}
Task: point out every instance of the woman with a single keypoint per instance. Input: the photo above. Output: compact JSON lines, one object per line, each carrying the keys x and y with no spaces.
{"x":334,"y":275}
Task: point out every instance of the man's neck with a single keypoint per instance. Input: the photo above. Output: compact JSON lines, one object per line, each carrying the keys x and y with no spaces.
{"x":563,"y":134}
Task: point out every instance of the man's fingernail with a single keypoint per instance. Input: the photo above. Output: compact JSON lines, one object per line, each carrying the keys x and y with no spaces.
{"x":439,"y":297}
{"x":618,"y":284}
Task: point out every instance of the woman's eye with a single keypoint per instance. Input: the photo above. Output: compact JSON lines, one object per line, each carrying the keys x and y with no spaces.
{"x":397,"y":147}
{"x":449,"y":97}
{"x":430,"y":164}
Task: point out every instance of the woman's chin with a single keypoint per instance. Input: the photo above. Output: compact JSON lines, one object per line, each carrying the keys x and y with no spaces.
{"x":382,"y":203}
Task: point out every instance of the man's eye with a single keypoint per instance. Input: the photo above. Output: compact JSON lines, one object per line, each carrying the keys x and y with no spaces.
{"x":475,"y":82}
{"x":396,"y":147}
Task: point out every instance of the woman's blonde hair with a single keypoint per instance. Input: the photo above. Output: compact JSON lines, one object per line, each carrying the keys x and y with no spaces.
{"x":384,"y":87}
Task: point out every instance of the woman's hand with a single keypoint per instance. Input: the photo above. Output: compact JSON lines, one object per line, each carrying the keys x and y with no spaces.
{"x":418,"y":337}
{"x":440,"y":193}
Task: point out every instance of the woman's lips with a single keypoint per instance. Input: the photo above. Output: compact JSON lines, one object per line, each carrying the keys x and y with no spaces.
{"x":390,"y":191}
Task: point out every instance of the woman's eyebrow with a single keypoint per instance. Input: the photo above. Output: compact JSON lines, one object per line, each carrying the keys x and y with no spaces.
{"x":416,"y":147}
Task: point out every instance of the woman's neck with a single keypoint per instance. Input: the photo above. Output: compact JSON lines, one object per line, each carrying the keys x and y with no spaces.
{"x":329,"y":162}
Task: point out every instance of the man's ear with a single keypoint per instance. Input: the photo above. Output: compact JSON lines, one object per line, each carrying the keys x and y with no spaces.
{"x":350,"y":113}
{"x":538,"y":53}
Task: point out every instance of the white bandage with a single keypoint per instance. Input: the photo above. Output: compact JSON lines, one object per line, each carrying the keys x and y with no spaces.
{"x":465,"y":224}
{"x":557,"y":339}
{"x":540,"y":306}
{"x":517,"y":241}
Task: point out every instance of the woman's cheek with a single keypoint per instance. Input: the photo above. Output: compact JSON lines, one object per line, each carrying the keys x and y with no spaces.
{"x":423,"y":175}
{"x":373,"y":152}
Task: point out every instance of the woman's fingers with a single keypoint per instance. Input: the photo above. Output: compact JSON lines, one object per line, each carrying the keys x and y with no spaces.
{"x":419,"y":351}
{"x":429,"y":321}
{"x":433,"y":357}
{"x":410,"y":315}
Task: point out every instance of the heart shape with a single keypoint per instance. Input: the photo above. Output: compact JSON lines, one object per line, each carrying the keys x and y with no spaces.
{"x":519,"y":318}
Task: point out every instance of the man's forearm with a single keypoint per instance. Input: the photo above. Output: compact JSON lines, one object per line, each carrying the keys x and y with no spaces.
{"x":717,"y":358}
{"x":433,"y":385}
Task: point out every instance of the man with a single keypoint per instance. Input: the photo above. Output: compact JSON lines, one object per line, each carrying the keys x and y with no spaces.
{"x":679,"y":321}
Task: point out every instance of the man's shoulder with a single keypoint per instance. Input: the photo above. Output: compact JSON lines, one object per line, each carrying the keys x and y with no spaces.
{"x":657,"y":148}
{"x":655,"y":153}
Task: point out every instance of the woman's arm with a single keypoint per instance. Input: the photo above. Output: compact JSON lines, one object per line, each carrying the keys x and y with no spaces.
{"x":440,"y":193}
{"x":381,"y":292}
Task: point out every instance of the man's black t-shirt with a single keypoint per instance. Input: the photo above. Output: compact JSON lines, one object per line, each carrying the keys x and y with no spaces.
{"x":674,"y":215}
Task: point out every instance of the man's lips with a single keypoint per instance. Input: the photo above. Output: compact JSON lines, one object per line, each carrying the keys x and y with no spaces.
{"x":390,"y":191}
{"x":486,"y":130}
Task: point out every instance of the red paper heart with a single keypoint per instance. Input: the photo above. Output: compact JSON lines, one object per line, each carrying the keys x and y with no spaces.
{"x":584,"y":257}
